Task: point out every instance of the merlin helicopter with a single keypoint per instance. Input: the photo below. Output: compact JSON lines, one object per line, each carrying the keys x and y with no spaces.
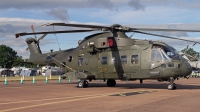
{"x":112,"y":55}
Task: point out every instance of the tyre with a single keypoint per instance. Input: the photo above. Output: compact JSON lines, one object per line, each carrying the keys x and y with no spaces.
{"x":85,"y":84}
{"x":80,"y":84}
{"x":170,"y":87}
{"x":113,"y":82}
{"x":109,"y":82}
{"x":174,"y":86}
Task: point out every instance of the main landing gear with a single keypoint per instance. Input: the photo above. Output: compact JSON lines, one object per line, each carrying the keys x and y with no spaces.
{"x":111,"y":82}
{"x":82,"y":84}
{"x":171,"y":85}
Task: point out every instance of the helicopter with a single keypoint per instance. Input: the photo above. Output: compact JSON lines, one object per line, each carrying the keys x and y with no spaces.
{"x":111,"y":55}
{"x":192,"y":60}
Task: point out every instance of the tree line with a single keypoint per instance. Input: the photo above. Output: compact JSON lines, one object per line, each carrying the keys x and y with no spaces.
{"x":9,"y":58}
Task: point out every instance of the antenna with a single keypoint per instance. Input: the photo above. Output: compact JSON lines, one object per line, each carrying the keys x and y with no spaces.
{"x":57,"y":39}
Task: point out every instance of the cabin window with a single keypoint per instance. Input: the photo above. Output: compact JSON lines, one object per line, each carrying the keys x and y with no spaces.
{"x":104,"y":61}
{"x":70,"y":58}
{"x":134,"y":59}
{"x":80,"y":62}
{"x":124,"y":59}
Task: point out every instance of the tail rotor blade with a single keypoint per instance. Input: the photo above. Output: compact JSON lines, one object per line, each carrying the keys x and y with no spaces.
{"x":186,"y":49}
{"x":42,"y":37}
{"x":32,"y":27}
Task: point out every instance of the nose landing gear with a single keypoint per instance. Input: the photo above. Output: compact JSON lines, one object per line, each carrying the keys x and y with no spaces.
{"x":171,"y":85}
{"x":82,"y":84}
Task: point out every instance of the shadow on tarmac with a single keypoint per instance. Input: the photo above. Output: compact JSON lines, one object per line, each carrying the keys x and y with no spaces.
{"x":160,"y":85}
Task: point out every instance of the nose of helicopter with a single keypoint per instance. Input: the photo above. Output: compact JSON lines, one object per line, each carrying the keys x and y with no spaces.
{"x":186,"y":69}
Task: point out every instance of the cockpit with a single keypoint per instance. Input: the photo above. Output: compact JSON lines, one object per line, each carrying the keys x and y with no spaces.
{"x":166,"y":60}
{"x":163,"y":53}
{"x":164,"y":56}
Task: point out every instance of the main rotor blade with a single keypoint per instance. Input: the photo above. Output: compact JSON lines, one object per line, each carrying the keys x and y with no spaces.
{"x":75,"y":25}
{"x":51,"y":32}
{"x":159,"y":29}
{"x":165,"y":36}
{"x":116,"y":27}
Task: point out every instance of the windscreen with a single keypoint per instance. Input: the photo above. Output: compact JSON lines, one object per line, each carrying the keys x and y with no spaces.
{"x":156,"y":55}
{"x":168,"y":52}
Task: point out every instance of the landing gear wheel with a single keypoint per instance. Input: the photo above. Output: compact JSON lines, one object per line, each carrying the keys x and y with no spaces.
{"x":86,"y":83}
{"x":114,"y":82}
{"x":82,"y":84}
{"x":111,"y":82}
{"x":174,"y":86}
{"x":171,"y":85}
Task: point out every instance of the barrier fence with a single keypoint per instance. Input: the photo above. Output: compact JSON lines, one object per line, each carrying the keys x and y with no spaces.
{"x":22,"y":78}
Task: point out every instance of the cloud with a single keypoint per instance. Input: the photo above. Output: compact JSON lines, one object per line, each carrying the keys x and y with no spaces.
{"x":47,"y":4}
{"x":16,"y":25}
{"x":60,"y":13}
{"x":136,"y":5}
{"x":100,"y":3}
{"x":22,"y":52}
{"x":108,"y":4}
{"x":189,"y":4}
{"x":6,"y":28}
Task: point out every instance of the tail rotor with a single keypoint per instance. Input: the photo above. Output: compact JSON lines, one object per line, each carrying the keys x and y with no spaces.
{"x":37,"y":39}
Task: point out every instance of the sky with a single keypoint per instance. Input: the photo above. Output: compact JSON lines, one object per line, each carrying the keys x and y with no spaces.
{"x":18,"y":15}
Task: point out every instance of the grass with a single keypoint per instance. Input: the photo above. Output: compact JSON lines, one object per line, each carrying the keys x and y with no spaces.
{"x":18,"y":78}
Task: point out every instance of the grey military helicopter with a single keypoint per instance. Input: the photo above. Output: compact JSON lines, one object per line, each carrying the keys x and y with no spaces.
{"x":112,"y":55}
{"x":195,"y":63}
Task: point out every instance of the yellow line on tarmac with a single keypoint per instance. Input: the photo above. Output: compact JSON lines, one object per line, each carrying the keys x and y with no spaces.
{"x":49,"y":99}
{"x":62,"y":98}
{"x":90,"y":97}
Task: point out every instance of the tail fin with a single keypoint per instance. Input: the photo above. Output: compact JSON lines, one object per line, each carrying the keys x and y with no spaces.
{"x":33,"y":48}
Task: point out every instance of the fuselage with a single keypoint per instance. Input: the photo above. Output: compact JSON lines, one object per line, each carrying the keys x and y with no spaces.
{"x":102,"y":56}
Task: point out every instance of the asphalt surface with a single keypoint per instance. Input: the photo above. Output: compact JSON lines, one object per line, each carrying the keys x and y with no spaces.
{"x":151,"y":96}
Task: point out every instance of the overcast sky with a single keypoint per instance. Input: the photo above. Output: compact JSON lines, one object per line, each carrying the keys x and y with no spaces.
{"x":18,"y":15}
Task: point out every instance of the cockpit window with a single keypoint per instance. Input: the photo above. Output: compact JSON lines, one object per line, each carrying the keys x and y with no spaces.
{"x":166,"y":58}
{"x":156,"y":55}
{"x":173,"y":54}
{"x":168,"y":52}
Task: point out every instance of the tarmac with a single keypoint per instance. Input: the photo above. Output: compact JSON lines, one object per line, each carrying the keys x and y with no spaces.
{"x":127,"y":96}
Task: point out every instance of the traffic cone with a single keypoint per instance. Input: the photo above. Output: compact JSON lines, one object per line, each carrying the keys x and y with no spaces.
{"x":6,"y":80}
{"x":21,"y":81}
{"x":34,"y":81}
{"x":47,"y":81}
{"x":59,"y":79}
